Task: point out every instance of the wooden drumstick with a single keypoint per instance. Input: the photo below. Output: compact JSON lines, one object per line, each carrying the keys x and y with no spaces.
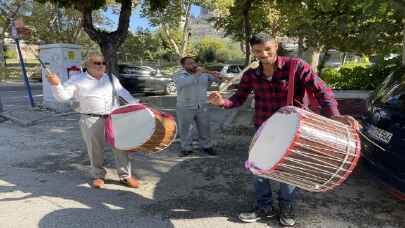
{"x":48,"y":71}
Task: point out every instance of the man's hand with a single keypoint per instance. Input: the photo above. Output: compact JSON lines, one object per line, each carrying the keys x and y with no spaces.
{"x":216,"y":74}
{"x":53,"y":79}
{"x":348,"y":120}
{"x":215,"y":98}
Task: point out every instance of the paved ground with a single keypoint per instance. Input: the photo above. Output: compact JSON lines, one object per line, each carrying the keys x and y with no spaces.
{"x":44,"y":182}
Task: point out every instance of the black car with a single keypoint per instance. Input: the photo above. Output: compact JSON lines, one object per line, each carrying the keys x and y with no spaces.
{"x":145,"y":79}
{"x":383,"y":133}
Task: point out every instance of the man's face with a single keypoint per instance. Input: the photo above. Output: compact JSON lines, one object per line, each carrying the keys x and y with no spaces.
{"x":96,"y":66}
{"x":190,"y":65}
{"x":266,"y":53}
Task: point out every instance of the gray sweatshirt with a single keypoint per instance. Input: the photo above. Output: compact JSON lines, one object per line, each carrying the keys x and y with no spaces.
{"x":192,"y":89}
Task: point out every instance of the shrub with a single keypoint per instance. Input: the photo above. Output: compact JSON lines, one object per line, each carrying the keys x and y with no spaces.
{"x":359,"y":76}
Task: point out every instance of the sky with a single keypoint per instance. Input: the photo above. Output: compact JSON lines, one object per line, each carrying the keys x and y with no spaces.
{"x":136,"y":21}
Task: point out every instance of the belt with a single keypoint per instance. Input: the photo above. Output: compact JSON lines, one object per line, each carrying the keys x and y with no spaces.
{"x":95,"y":115}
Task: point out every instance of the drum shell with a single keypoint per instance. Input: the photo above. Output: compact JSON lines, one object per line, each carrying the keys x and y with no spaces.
{"x":163,"y":134}
{"x":321,"y":156}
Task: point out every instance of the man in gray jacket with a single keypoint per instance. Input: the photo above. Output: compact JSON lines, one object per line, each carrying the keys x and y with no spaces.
{"x":192,"y":104}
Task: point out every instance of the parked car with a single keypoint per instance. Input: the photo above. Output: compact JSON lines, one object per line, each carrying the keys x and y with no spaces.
{"x":145,"y":79}
{"x":228,"y":71}
{"x":383,"y":133}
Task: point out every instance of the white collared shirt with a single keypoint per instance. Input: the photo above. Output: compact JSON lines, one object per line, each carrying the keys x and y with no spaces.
{"x":94,"y":96}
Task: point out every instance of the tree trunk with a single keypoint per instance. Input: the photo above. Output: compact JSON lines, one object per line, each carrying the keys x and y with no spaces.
{"x":186,"y":36}
{"x":324,"y":59}
{"x":300,"y":47}
{"x":3,"y":68}
{"x":343,"y":58}
{"x":403,"y":46}
{"x":171,"y":40}
{"x":110,"y":56}
{"x":109,"y":42}
{"x":248,"y":30}
{"x":312,"y":57}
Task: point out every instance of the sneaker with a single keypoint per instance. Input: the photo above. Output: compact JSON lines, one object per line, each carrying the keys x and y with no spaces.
{"x":257,"y":214}
{"x":184,"y":153}
{"x":287,"y":216}
{"x":209,"y":151}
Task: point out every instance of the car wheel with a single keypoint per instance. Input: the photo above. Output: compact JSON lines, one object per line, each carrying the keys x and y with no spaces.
{"x":171,"y":88}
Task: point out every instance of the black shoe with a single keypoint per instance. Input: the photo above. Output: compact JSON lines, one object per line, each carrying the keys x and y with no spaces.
{"x":184,"y":153}
{"x":209,"y":151}
{"x":287,"y":216}
{"x":257,"y":214}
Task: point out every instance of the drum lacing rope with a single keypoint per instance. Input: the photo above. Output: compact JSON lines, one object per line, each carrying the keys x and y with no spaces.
{"x":348,"y":132}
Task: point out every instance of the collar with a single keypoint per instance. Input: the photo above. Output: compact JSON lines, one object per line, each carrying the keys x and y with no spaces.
{"x":93,"y":78}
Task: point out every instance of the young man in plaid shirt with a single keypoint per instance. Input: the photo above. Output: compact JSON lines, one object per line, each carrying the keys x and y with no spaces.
{"x":269,"y":82}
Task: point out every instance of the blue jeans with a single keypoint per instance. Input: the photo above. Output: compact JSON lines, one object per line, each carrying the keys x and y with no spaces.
{"x":264,"y":194}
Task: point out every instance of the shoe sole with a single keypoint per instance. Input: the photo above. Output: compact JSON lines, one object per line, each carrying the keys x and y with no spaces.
{"x":286,"y":225}
{"x":249,"y":220}
{"x":255,"y":220}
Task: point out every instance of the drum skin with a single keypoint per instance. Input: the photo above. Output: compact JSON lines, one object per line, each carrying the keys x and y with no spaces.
{"x":161,"y":130}
{"x":322,"y":154}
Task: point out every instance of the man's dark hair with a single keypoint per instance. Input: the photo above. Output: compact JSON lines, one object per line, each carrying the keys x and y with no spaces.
{"x":260,"y":38}
{"x":183,"y":60}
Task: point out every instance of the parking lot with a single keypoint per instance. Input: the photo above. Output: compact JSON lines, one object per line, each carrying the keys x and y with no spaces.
{"x":44,"y":180}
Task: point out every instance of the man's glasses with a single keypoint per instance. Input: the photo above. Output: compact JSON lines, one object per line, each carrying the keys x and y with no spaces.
{"x":99,"y":63}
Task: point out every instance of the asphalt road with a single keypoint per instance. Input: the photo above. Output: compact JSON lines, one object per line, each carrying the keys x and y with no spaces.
{"x":44,"y":183}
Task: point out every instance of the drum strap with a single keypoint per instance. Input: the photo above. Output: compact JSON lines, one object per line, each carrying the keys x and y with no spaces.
{"x":121,"y":101}
{"x":291,"y":81}
{"x":309,"y":99}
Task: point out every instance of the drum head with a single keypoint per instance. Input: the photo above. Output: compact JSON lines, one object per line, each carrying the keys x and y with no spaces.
{"x":273,"y":139}
{"x":132,"y":128}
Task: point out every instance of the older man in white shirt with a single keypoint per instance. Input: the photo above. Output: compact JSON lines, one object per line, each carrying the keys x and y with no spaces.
{"x":94,"y":92}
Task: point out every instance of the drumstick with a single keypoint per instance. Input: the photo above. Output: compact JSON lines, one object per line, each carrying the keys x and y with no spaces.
{"x":224,"y":86}
{"x":40,"y":61}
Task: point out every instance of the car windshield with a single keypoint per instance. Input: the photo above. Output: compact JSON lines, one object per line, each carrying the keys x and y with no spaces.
{"x":138,"y":70}
{"x":392,"y":91}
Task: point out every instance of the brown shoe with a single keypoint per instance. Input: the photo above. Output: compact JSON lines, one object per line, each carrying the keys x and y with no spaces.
{"x":98,"y":183}
{"x":131,"y":182}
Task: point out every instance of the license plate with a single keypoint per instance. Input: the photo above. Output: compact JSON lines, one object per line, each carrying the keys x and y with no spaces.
{"x":379,"y":134}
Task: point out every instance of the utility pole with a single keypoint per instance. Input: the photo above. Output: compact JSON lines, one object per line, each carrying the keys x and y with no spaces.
{"x":16,"y":38}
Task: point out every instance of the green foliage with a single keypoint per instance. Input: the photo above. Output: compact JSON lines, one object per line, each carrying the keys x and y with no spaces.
{"x":359,"y":76}
{"x":360,"y":26}
{"x":211,"y":49}
{"x":143,"y":45}
{"x":10,"y":54}
{"x":263,"y":16}
{"x":78,"y":4}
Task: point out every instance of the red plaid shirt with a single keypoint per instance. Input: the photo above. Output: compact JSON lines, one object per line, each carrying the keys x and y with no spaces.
{"x":271,"y":94}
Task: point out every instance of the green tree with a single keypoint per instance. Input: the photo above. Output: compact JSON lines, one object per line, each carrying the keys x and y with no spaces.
{"x":360,"y":26}
{"x":246,"y":17}
{"x":109,"y":41}
{"x":9,"y":11}
{"x":139,"y":46}
{"x":399,"y":6}
{"x":53,"y":24}
{"x":174,"y":21}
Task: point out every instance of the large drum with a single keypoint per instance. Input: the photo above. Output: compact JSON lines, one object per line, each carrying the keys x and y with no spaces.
{"x":135,"y":127}
{"x":304,"y":149}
